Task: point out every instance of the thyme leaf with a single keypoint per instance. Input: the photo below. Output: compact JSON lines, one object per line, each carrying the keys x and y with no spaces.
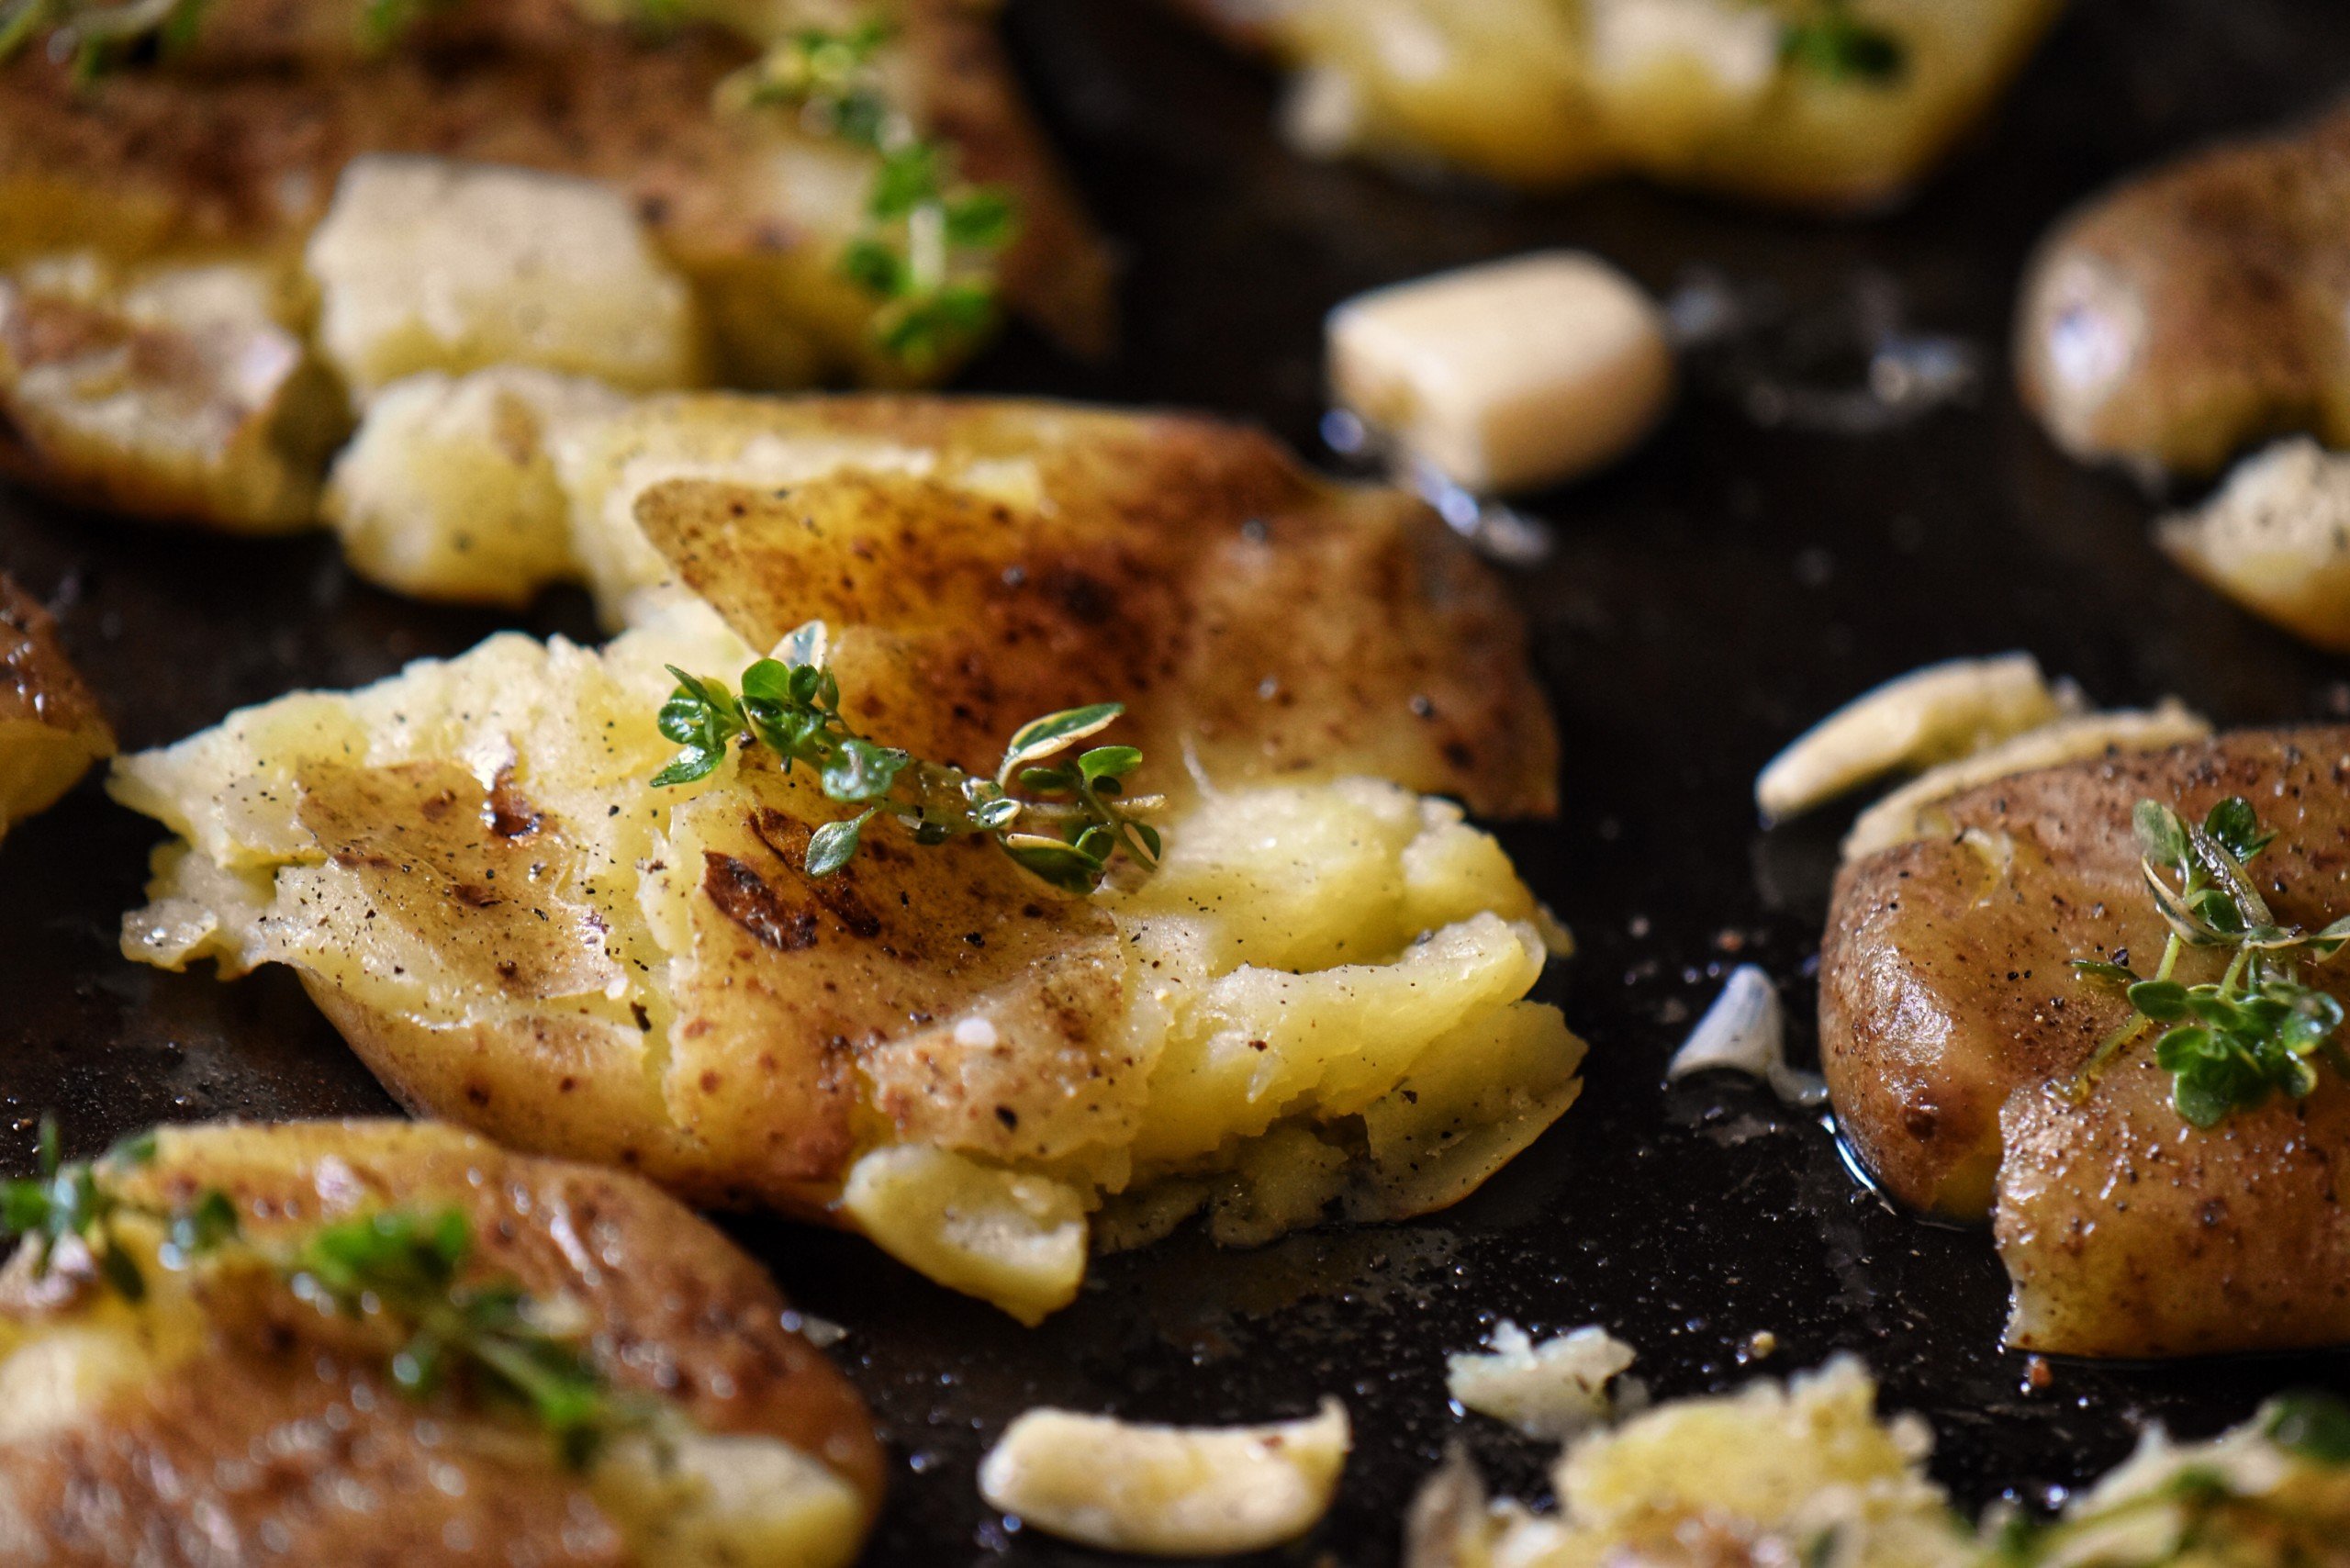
{"x":2258,"y":1029}
{"x":1062,"y":820}
{"x":1839,"y":47}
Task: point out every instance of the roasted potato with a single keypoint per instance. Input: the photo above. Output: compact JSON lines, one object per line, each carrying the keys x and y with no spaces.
{"x":543,"y":146}
{"x":1315,"y":1001}
{"x":1715,"y":94}
{"x":1953,"y":1024}
{"x":51,"y":729}
{"x":2196,"y":307}
{"x":1272,"y":621}
{"x":221,"y":1415}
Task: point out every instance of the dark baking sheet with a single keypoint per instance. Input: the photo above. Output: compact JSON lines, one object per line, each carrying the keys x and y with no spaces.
{"x":1725,"y":585}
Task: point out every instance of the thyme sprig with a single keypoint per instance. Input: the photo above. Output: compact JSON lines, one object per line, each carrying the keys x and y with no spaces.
{"x":401,"y":1270}
{"x":2257,"y":1029}
{"x":493,"y":1340}
{"x":63,"y":1208}
{"x":96,"y":35}
{"x":932,"y":240}
{"x":1061,"y":819}
{"x":1842,"y":47}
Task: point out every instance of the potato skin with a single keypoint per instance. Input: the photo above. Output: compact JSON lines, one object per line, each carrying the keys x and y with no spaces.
{"x":2196,"y":307}
{"x":1947,"y":1006}
{"x":656,"y":1283}
{"x":1277,"y":625}
{"x":50,"y":728}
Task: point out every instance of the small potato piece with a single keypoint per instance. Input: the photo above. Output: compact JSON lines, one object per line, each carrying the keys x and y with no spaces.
{"x":1929,"y":716}
{"x":449,"y":491}
{"x":177,"y":392}
{"x":1557,"y":1389}
{"x":1509,"y":376}
{"x":426,"y":264}
{"x":1017,"y":1240}
{"x":2277,"y":540}
{"x":51,"y":729}
{"x":1168,"y":1491}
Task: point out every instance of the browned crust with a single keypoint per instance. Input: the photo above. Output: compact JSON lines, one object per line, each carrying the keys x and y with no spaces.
{"x":1272,"y":624}
{"x":2217,"y":284}
{"x":38,"y":682}
{"x":1948,"y":1008}
{"x":281,"y":1423}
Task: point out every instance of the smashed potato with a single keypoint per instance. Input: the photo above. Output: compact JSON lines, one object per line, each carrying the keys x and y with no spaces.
{"x":1803,"y":1472}
{"x":1719,"y":95}
{"x":1317,"y":1002}
{"x":1952,"y":1025}
{"x":2196,"y":307}
{"x":637,"y":222}
{"x":219,"y":1406}
{"x":51,"y":729}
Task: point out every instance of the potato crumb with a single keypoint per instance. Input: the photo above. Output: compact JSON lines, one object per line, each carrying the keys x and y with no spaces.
{"x":1168,"y":1491}
{"x":1555,"y":1389}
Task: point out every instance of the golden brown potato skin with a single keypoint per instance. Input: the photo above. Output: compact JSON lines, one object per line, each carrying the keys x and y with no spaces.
{"x":160,"y":1469}
{"x":235,"y":148}
{"x":1275,"y":623}
{"x":1947,"y":1007}
{"x":2197,"y":307}
{"x":50,"y":728}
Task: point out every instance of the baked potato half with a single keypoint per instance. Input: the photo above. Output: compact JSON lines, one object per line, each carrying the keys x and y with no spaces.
{"x":1317,"y":1000}
{"x":1796,"y":103}
{"x":540,"y":182}
{"x":50,"y":728}
{"x":243,"y":1401}
{"x":2196,"y":307}
{"x":1954,"y":1033}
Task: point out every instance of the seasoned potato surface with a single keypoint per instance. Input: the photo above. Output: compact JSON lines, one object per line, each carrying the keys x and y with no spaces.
{"x":1951,"y":1023}
{"x":220,"y":1416}
{"x":51,"y":729}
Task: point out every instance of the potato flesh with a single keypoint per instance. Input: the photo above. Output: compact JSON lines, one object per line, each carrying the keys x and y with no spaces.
{"x":2277,"y":540}
{"x":472,"y":848}
{"x":174,"y":390}
{"x":1168,"y":1491}
{"x":1757,"y":1476}
{"x":1508,"y":375}
{"x":1538,"y":94}
{"x":426,"y":264}
{"x":51,"y":729}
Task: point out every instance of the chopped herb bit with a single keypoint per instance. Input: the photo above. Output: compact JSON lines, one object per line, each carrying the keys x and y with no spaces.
{"x":931,"y":241}
{"x":407,"y":1270}
{"x":1061,"y":820}
{"x":2259,"y":1028}
{"x":1842,"y":47}
{"x":60,"y":1201}
{"x":2316,"y":1426}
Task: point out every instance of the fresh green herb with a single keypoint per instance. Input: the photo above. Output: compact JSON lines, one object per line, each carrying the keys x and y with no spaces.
{"x":405,"y":1270}
{"x":2313,"y":1425}
{"x":1842,"y":47}
{"x":2257,"y":1029}
{"x":63,"y":1205}
{"x":931,"y":241}
{"x":97,"y":35}
{"x":1062,"y":820}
